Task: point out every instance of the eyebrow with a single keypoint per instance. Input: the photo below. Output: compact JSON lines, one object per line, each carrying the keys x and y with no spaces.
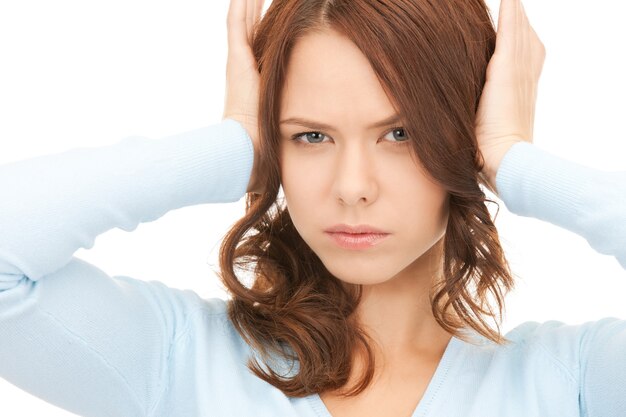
{"x":394,"y":118}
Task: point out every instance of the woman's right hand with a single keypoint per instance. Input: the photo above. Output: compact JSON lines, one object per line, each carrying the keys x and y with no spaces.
{"x":242,"y":77}
{"x":506,"y":109}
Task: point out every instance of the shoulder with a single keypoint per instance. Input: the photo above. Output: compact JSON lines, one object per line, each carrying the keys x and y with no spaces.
{"x":550,"y":368}
{"x":555,"y":334}
{"x":592,"y":353}
{"x":178,"y":308}
{"x":567,"y":347}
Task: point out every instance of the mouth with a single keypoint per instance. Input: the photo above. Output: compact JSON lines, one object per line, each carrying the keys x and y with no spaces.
{"x":357,"y":229}
{"x":357,"y":241}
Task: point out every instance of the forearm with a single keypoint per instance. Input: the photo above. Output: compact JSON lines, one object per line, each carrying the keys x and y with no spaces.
{"x":589,"y":202}
{"x":55,"y":204}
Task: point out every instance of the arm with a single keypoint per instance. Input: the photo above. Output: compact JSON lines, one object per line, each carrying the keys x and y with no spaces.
{"x":75,"y":337}
{"x":590,"y":354}
{"x":590,"y":202}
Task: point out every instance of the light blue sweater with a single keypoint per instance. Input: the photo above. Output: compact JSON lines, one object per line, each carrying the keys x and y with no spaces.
{"x":116,"y":346}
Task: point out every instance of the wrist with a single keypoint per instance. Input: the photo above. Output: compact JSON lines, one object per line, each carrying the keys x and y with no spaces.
{"x":493,"y":159}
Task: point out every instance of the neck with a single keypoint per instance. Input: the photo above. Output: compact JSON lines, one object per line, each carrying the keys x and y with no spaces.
{"x":397,"y":313}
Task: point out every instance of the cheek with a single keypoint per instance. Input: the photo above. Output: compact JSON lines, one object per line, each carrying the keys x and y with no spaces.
{"x":424,"y":206}
{"x":301,"y":176}
{"x":298,"y":186}
{"x":303,"y":207}
{"x":435,"y":216}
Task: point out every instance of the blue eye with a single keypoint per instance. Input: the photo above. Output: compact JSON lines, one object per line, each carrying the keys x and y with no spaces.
{"x":318,"y":137}
{"x":401,"y":135}
{"x":315,"y":136}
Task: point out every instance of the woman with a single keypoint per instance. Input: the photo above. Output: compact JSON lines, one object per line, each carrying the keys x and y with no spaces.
{"x":356,"y":316}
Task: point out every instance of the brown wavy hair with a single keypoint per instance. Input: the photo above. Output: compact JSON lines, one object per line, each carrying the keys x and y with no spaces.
{"x":431,"y":59}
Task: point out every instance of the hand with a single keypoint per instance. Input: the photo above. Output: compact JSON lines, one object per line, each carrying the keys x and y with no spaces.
{"x":242,"y":77}
{"x":506,"y":109}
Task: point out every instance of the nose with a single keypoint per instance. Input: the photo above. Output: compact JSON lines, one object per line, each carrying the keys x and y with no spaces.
{"x":354,"y":176}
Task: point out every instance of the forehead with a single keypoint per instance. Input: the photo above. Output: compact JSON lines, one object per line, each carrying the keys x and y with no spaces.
{"x":329,"y":77}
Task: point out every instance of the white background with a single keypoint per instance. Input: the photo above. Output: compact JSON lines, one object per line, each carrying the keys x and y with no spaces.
{"x":76,"y":73}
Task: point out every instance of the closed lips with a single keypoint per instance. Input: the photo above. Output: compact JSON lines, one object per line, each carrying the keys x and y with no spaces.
{"x":359,"y":229}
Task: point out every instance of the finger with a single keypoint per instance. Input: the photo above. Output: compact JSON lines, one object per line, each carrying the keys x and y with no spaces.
{"x":258,"y":9}
{"x":236,"y":24}
{"x":523,"y":12}
{"x":253,"y":14}
{"x":524,"y":23}
{"x":250,"y":5}
{"x":506,"y":13}
{"x":528,"y":31}
{"x":508,"y":23}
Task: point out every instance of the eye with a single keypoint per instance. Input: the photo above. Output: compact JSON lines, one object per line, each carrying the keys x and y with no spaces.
{"x":398,"y":133}
{"x":316,"y":137}
{"x":312,"y":138}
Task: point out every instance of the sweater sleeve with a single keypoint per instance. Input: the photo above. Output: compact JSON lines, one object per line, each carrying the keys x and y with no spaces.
{"x":589,"y":202}
{"x":89,"y":343}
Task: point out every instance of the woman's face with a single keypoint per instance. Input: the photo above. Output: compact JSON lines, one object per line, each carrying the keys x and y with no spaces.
{"x":353,"y":172}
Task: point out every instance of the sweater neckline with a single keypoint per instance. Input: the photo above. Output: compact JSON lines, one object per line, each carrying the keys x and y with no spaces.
{"x":430,"y":394}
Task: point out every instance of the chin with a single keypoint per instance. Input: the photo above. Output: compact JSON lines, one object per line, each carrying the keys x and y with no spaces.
{"x":365,"y":275}
{"x":352,"y":279}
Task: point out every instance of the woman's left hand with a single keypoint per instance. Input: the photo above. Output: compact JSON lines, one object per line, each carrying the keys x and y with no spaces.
{"x":506,"y":110}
